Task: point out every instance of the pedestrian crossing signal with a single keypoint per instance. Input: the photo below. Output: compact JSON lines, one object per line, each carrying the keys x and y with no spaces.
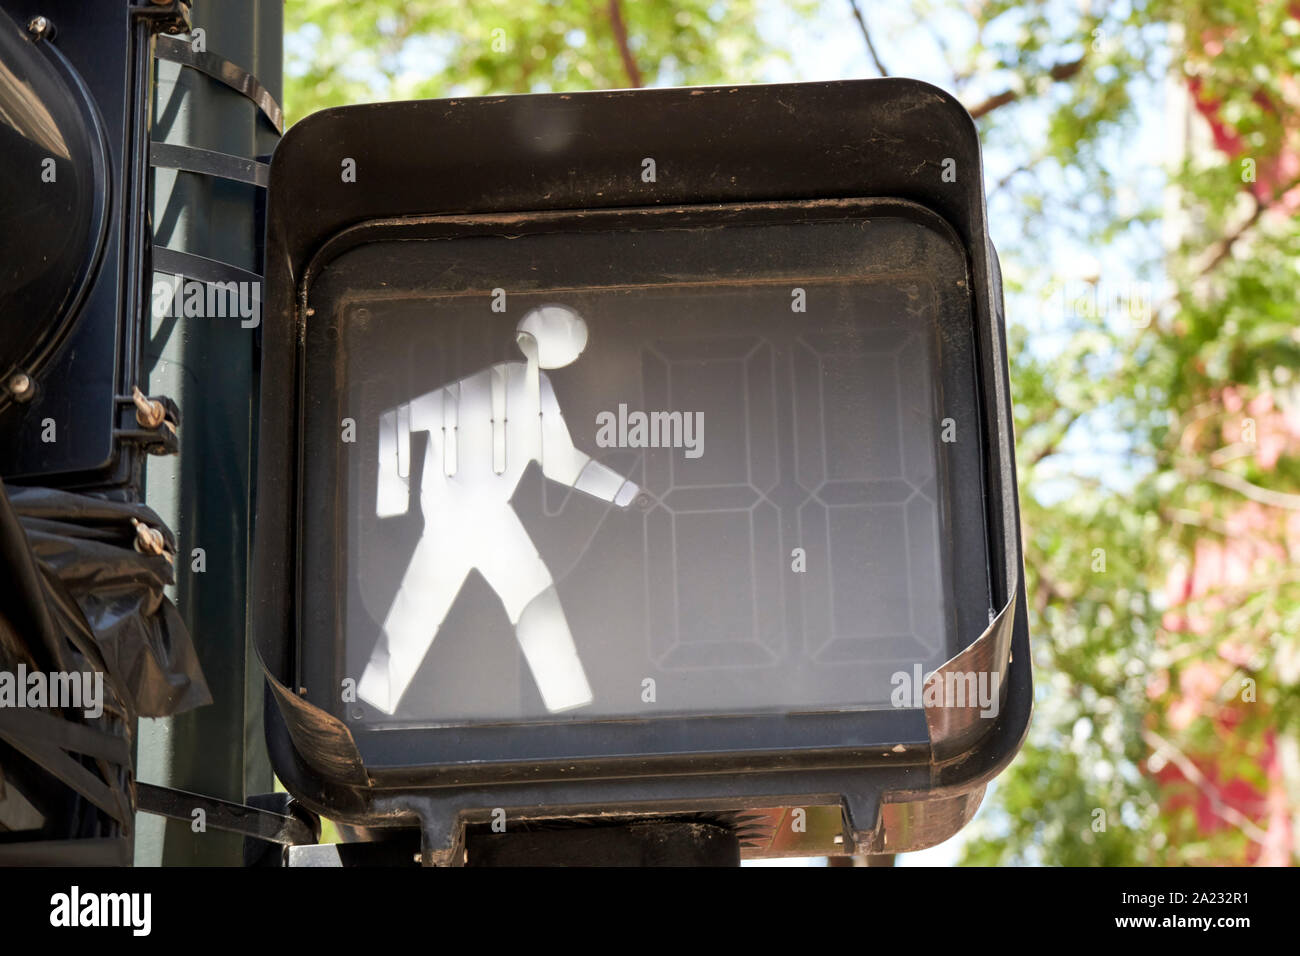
{"x":652,"y":482}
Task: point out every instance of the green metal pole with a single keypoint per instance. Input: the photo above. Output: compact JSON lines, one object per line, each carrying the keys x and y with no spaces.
{"x":207,"y":365}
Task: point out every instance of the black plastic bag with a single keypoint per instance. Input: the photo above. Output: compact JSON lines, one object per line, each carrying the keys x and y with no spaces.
{"x":97,"y":583}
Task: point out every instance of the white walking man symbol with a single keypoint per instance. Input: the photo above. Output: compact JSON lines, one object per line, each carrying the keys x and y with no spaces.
{"x":483,"y":432}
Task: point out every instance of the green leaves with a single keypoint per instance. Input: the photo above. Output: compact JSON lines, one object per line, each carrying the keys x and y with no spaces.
{"x":1164,"y":608}
{"x":394,"y":49}
{"x":1185,"y":636}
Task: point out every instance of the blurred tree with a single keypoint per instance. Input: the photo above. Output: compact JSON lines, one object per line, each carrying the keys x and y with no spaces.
{"x":1158,"y":430}
{"x":411,"y":49}
{"x":1165,"y":606}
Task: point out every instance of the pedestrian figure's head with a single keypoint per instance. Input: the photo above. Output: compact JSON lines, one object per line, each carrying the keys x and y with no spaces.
{"x":553,"y":334}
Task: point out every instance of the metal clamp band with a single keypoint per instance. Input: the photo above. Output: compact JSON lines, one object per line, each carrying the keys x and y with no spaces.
{"x":219,"y":68}
{"x":208,"y":162}
{"x":224,"y":815}
{"x":175,"y":262}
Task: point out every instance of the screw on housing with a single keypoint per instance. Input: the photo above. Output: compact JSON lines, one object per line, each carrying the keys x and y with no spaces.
{"x":41,"y":28}
{"x":21,"y":386}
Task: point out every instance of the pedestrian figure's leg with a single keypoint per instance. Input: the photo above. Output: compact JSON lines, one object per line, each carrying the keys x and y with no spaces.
{"x":517,"y":573}
{"x":543,"y":634}
{"x":433,"y":579}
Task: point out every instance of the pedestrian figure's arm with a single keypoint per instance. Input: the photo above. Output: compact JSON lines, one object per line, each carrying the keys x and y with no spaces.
{"x":396,"y":426}
{"x":563,"y":462}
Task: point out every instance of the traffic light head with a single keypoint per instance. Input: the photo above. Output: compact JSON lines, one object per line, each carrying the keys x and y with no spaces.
{"x":75,"y":82}
{"x":756,"y":550}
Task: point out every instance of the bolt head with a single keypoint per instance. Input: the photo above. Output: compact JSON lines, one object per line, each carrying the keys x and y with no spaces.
{"x":38,"y":26}
{"x":21,"y":386}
